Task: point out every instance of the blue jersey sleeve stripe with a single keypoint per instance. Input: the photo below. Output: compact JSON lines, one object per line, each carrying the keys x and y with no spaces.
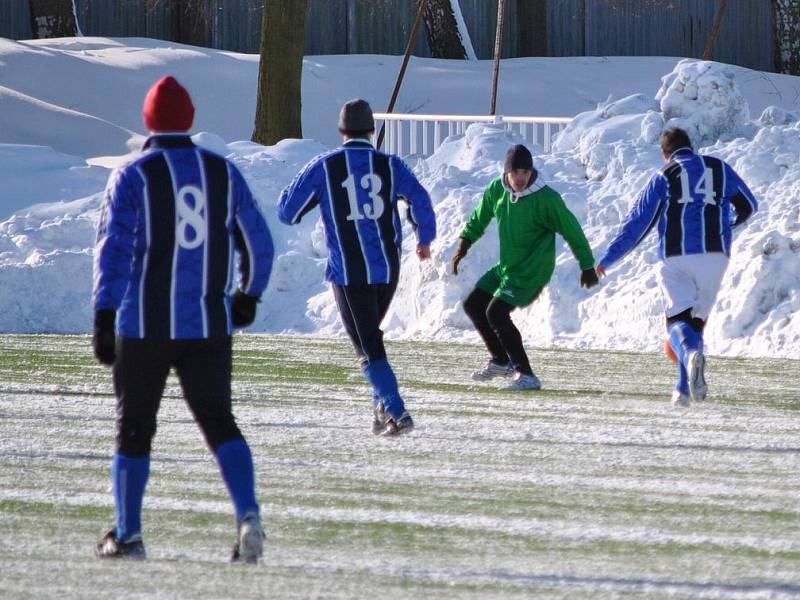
{"x":254,"y":236}
{"x":741,"y":198}
{"x":146,"y":249}
{"x":173,"y":280}
{"x":640,"y":221}
{"x":743,"y":208}
{"x":748,"y":195}
{"x":304,"y":208}
{"x":419,"y":203}
{"x":305,"y":185}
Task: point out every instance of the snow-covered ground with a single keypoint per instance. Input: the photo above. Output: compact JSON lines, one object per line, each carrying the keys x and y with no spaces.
{"x":592,"y":489}
{"x":70,"y":110}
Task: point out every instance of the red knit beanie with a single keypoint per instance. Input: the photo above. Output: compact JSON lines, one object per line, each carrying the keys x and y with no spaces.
{"x":168,"y":106}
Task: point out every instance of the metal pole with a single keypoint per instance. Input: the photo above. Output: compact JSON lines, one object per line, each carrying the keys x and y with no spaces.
{"x":498,"y":45}
{"x":409,"y":47}
{"x":712,"y":36}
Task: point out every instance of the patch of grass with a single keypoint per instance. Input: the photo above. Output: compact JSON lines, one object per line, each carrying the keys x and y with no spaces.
{"x":49,"y":510}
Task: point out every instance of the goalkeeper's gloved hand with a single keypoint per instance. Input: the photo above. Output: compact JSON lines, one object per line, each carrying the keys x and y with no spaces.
{"x":243,"y":309}
{"x":589,"y":278}
{"x":461,"y":252}
{"x":104,"y":339}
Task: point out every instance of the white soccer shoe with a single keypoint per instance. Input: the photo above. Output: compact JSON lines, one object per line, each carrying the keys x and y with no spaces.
{"x":680,"y":400}
{"x":492,"y":370}
{"x":249,"y":546}
{"x":525,"y":382}
{"x":695,"y":366}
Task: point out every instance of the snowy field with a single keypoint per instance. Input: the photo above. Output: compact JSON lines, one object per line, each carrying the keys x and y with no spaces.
{"x":70,"y":110}
{"x":593,"y":488}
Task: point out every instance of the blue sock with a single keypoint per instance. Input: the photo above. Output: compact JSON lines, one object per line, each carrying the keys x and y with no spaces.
{"x":129,"y":479}
{"x":236,"y":463}
{"x":384,"y":383}
{"x":684,"y":339}
{"x":683,"y":380}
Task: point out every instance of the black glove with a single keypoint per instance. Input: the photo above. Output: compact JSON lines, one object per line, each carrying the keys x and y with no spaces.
{"x":243,"y":309}
{"x":589,"y":278}
{"x":461,"y":252}
{"x":103,"y":339}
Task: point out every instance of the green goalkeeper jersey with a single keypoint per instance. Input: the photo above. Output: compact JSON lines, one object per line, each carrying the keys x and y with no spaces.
{"x":527,"y":222}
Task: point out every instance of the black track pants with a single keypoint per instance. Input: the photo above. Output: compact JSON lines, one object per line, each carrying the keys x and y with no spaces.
{"x":492,"y":318}
{"x":140,"y":372}
{"x":362,"y":309}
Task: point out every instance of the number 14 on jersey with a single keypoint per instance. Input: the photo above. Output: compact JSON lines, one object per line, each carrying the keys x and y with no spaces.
{"x":704,"y":187}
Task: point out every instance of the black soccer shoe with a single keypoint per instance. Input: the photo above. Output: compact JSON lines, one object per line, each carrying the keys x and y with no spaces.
{"x":394,"y":427}
{"x":379,"y":420}
{"x":111,"y":547}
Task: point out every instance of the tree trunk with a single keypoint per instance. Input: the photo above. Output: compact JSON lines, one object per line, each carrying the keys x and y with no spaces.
{"x":787,"y":36}
{"x":189,"y":22}
{"x":443,"y":37}
{"x":52,"y":18}
{"x":532,"y":27}
{"x":278,"y":108}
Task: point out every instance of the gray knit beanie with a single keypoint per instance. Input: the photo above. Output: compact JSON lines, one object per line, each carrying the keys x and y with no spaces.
{"x":356,"y":116}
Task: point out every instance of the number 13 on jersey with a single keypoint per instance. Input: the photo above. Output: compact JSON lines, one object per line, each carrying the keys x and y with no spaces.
{"x":373,"y":184}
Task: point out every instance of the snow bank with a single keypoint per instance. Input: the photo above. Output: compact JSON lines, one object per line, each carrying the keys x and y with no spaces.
{"x":704,"y":99}
{"x":616,"y":144}
{"x":49,"y":177}
{"x":599,"y":164}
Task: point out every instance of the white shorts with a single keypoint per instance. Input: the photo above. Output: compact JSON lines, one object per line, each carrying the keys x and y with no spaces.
{"x":692,"y":282}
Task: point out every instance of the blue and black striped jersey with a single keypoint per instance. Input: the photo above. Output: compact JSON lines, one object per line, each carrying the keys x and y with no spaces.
{"x":169,"y":223}
{"x":695,"y":201}
{"x":357,"y":189}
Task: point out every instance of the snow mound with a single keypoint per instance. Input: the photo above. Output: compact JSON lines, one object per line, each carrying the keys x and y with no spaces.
{"x":703,"y":98}
{"x":600,"y":163}
{"x":699,"y":96}
{"x":52,"y":177}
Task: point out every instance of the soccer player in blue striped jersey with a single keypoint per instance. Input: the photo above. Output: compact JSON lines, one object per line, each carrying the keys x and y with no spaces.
{"x":357,"y":189}
{"x":696,"y":202}
{"x":164,"y":267}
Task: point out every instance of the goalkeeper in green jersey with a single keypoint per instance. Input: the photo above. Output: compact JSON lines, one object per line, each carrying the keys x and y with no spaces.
{"x":529,"y":214}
